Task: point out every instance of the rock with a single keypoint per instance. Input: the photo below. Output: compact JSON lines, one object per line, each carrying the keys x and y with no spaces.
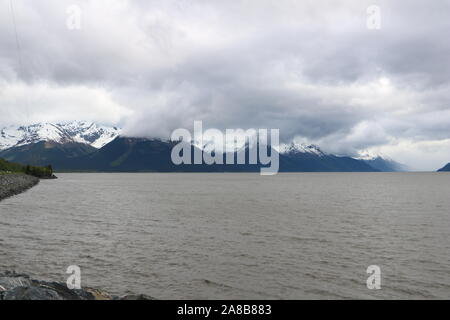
{"x":10,"y":280}
{"x":15,"y":286}
{"x":98,"y":295}
{"x":136,"y":297}
{"x":31,"y":293}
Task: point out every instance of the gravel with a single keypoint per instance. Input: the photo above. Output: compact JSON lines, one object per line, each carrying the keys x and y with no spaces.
{"x":12,"y":184}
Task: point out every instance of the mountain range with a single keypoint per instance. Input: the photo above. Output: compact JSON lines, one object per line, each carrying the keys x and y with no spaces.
{"x":86,"y":146}
{"x":71,"y":132}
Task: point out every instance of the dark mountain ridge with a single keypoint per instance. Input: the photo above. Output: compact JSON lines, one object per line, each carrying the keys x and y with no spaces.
{"x":444,"y":169}
{"x":386,"y":165}
{"x":125,"y":154}
{"x":43,"y":153}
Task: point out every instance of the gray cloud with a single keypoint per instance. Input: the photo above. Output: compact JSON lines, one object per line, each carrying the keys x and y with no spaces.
{"x":310,"y":68}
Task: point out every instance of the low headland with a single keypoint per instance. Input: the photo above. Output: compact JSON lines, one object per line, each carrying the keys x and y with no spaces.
{"x":16,"y":286}
{"x":16,"y":178}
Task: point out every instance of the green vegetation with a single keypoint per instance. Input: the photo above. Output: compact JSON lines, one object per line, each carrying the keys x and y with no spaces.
{"x":40,"y":172}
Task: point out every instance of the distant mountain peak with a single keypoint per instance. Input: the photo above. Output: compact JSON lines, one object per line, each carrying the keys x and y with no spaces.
{"x":76,"y":131}
{"x":381,"y":162}
{"x":369,"y":155}
{"x":301,"y":148}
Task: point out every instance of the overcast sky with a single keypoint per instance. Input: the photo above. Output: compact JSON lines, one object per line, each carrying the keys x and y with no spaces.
{"x":313,"y":69}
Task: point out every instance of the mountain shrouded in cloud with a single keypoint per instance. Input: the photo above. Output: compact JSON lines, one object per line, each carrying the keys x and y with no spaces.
{"x":310,"y":68}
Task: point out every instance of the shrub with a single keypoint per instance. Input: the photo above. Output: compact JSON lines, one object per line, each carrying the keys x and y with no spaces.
{"x":40,"y":172}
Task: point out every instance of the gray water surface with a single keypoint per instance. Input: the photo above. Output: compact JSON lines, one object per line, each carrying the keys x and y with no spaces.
{"x":236,"y":236}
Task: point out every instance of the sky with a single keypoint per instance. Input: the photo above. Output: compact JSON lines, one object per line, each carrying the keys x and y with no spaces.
{"x":344,"y":75}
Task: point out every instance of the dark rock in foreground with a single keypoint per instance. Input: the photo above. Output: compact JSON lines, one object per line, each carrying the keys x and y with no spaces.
{"x":12,"y":184}
{"x":14,"y":286}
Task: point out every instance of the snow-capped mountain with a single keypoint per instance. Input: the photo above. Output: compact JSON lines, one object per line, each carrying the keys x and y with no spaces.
{"x":381,"y":162}
{"x":78,"y":131}
{"x":301,"y":148}
{"x":369,"y":155}
{"x":292,"y":148}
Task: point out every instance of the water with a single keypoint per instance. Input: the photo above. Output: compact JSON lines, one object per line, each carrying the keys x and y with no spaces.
{"x":236,"y":236}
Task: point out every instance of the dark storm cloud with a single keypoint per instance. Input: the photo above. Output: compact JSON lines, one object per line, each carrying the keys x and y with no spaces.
{"x":310,"y":68}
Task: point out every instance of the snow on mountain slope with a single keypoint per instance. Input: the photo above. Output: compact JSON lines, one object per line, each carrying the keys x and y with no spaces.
{"x":301,"y":148}
{"x":369,"y":155}
{"x":91,"y":133}
{"x":77,"y":131}
{"x":291,"y":148}
{"x":381,"y":162}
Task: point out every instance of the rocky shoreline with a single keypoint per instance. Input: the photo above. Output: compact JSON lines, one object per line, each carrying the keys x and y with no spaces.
{"x":13,"y":184}
{"x":15,"y":286}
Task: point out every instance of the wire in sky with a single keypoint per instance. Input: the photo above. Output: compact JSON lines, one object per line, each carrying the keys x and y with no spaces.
{"x":19,"y":53}
{"x":19,"y":50}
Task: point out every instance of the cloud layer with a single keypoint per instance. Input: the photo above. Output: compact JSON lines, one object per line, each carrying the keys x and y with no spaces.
{"x":310,"y":68}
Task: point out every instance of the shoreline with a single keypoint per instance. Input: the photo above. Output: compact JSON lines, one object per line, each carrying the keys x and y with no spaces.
{"x":17,"y":286}
{"x":12,"y":184}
